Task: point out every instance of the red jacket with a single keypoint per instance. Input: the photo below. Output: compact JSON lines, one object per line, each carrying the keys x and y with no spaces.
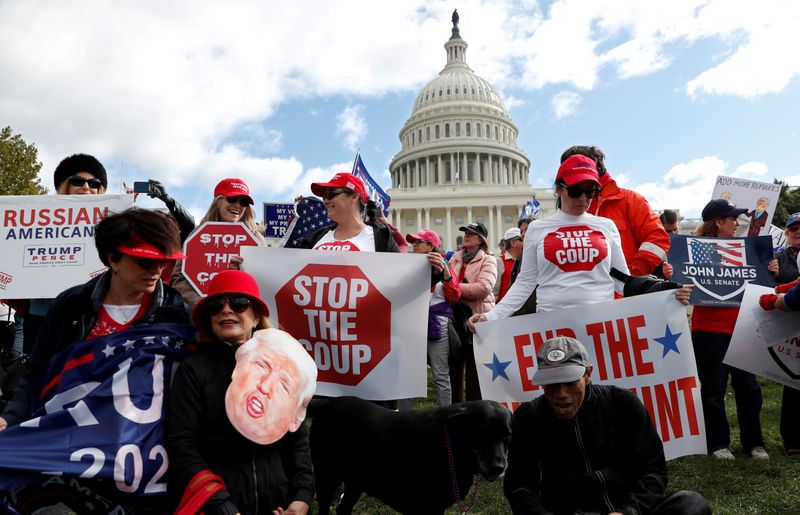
{"x":645,"y":243}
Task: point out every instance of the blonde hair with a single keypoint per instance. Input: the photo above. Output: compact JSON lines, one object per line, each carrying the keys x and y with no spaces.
{"x":64,"y":186}
{"x":248,"y":218}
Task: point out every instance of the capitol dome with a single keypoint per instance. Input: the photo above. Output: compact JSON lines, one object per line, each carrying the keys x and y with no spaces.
{"x":459,"y":160}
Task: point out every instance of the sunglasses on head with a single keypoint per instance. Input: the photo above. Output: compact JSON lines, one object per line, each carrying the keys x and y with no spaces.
{"x":149,"y":263}
{"x":80,"y":181}
{"x":237,"y":303}
{"x":241,"y":200}
{"x":576,"y":192}
{"x":331,"y":194}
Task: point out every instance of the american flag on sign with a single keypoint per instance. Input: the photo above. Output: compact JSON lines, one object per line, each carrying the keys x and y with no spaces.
{"x":311,"y":216}
{"x":717,"y":252}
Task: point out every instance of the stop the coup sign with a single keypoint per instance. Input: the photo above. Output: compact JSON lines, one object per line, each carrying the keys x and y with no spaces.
{"x":208,"y":251}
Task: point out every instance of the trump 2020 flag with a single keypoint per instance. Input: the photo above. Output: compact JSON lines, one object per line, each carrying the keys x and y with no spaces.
{"x":720,"y":268}
{"x":98,"y":413}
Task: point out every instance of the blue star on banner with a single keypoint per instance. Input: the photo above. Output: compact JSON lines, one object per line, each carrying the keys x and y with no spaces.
{"x":669,"y":341}
{"x":498,"y":368}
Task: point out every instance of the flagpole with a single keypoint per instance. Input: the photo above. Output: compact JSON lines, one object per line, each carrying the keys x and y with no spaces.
{"x":355,"y":161}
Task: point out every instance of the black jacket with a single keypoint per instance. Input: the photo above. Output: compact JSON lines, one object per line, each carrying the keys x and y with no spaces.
{"x":382,"y":234}
{"x":70,"y":318}
{"x":258,"y":478}
{"x":608,"y":458}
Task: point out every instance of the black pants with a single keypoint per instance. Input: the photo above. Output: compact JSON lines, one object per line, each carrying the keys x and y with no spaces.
{"x":790,"y":418}
{"x":684,"y":502}
{"x":709,"y":350}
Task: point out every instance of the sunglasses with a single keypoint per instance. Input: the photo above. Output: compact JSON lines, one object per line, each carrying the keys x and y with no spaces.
{"x":331,"y":194}
{"x":576,"y":192}
{"x":241,"y":200}
{"x":80,"y":181}
{"x":237,"y":303}
{"x":149,"y":263}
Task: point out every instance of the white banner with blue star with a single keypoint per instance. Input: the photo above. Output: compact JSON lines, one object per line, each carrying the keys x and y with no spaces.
{"x":640,"y":343}
{"x":98,"y":411}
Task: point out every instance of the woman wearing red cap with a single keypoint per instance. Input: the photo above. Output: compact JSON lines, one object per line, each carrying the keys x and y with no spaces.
{"x":213,"y":467}
{"x":136,"y":245}
{"x":355,"y":217}
{"x":232,"y":203}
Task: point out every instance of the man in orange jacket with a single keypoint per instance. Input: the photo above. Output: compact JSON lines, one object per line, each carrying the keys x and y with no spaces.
{"x":645,"y":243}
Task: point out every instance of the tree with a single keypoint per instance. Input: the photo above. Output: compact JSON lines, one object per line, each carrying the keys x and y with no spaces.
{"x":788,"y":203}
{"x":19,"y":166}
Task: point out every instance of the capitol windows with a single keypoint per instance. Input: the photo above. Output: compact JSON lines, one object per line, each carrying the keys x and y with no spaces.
{"x":458,"y":129}
{"x":427,"y":133}
{"x":478,"y":130}
{"x":419,"y":136}
{"x":479,"y":219}
{"x":507,"y":218}
{"x":437,"y":132}
{"x":447,"y":130}
{"x":469,"y":129}
{"x":456,"y":90}
{"x":413,"y":139}
{"x":448,"y":91}
{"x":410,"y":222}
{"x":440,"y":92}
{"x":488,"y":133}
{"x":496,"y":133}
{"x":473,"y":91}
{"x":438,"y":221}
{"x":459,"y":220}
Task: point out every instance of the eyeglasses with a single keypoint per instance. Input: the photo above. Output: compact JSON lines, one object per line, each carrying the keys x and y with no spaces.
{"x":149,"y":263}
{"x":80,"y":181}
{"x":331,"y":194}
{"x":238,"y":303}
{"x":576,"y":192}
{"x":241,"y":200}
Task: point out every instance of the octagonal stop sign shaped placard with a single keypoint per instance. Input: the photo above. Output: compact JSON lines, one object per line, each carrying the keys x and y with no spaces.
{"x":208,"y":251}
{"x":340,"y":317}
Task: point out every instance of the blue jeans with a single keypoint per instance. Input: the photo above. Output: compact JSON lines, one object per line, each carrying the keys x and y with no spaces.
{"x":709,"y":350}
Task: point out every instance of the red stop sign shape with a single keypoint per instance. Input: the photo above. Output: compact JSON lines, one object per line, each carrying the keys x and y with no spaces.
{"x":209,"y":249}
{"x":340,"y":317}
{"x":575,"y":249}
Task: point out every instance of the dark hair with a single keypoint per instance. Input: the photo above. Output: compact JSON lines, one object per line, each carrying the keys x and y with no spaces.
{"x":135,"y":225}
{"x":372,"y":212}
{"x":589,"y":151}
{"x":526,"y":220}
{"x":75,"y":163}
{"x":668,"y":216}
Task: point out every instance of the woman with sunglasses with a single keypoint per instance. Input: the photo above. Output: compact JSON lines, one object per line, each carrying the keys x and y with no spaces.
{"x":355,"y":218}
{"x":201,"y":440}
{"x":232,"y":203}
{"x":136,"y":245}
{"x":568,"y":257}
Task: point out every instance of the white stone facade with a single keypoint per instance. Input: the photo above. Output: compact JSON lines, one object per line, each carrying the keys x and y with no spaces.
{"x":459,"y":160}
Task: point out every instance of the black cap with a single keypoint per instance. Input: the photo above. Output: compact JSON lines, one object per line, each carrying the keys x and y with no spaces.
{"x":75,"y":163}
{"x":721,"y":207}
{"x":476,"y":227}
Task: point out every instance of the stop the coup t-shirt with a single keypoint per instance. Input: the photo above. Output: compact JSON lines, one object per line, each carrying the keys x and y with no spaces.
{"x":362,"y":242}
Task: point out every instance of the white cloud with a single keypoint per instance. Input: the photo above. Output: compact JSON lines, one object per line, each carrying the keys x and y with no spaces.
{"x":752,"y":168}
{"x":565,"y":103}
{"x":686,"y":186}
{"x":351,"y":126}
{"x":511,"y":102}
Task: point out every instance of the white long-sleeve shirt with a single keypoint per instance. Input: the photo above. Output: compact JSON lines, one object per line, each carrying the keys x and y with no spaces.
{"x":569,"y":258}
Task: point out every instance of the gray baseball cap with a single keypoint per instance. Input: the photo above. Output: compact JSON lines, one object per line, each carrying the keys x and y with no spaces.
{"x":560,"y":360}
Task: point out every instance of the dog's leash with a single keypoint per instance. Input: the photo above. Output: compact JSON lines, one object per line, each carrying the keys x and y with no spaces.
{"x":454,"y":480}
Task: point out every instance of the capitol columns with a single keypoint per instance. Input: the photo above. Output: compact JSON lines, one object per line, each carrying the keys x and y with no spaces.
{"x":419,"y":219}
{"x":449,"y":235}
{"x":491,"y":222}
{"x":427,"y":217}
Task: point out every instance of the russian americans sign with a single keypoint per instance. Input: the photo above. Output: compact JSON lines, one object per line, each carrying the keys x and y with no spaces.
{"x":720,"y":268}
{"x":48,"y":242}
{"x":362,"y":316}
{"x":642,"y":344}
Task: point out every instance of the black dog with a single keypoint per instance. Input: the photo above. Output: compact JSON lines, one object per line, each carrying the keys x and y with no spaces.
{"x":415,"y":462}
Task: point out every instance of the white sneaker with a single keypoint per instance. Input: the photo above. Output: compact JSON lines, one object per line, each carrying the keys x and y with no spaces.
{"x":726,"y":454}
{"x":759,"y":453}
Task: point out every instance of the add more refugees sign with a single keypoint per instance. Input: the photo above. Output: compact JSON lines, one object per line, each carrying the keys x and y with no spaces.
{"x":641,"y":343}
{"x":720,"y":268}
{"x":48,"y":241}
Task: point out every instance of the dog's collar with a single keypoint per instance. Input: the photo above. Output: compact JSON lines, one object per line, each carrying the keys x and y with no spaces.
{"x":454,"y":478}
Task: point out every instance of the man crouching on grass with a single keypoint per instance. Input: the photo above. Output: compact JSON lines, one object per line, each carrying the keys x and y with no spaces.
{"x":584,"y":448}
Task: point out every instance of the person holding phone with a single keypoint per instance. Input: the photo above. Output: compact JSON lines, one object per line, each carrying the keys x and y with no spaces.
{"x":155,"y":189}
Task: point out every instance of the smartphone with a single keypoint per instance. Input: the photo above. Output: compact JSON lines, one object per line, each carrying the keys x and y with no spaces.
{"x":141,"y":187}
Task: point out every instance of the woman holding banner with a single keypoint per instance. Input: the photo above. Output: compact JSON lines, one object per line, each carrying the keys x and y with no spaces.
{"x":712,"y":328}
{"x":213,"y":467}
{"x":136,"y":245}
{"x":232,"y":204}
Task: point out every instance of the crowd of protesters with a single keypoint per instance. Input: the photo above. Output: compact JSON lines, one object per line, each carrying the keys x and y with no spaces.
{"x":143,"y":285}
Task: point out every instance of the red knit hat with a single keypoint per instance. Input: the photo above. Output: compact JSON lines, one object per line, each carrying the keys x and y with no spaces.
{"x":233,"y":188}
{"x":230,"y":281}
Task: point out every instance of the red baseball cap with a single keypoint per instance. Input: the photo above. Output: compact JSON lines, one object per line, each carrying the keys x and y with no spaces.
{"x":143,"y":249}
{"x":233,"y":188}
{"x":341,"y":180}
{"x":230,"y":281}
{"x":425,"y":235}
{"x":577,"y":168}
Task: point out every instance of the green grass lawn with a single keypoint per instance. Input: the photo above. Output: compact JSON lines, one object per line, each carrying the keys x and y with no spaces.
{"x":740,"y":486}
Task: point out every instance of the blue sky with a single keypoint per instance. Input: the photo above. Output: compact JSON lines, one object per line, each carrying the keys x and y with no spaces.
{"x":282,"y":94}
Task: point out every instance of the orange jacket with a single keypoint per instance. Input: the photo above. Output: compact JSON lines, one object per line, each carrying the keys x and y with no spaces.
{"x":645,"y":243}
